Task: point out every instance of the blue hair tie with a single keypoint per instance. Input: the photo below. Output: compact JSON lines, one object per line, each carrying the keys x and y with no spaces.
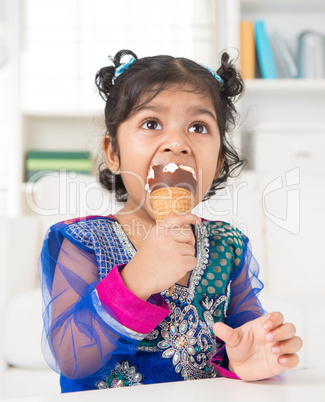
{"x":124,"y":66}
{"x":216,"y":76}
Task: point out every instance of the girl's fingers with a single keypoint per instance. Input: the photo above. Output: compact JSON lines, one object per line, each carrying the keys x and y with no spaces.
{"x":281,"y":333}
{"x":227,"y":334}
{"x":173,"y":226}
{"x":272,"y":320}
{"x":181,"y":220}
{"x":187,"y":250}
{"x":184,"y":236}
{"x":289,"y":346}
{"x":191,"y":263}
{"x":179,"y":234}
{"x":289,"y":361}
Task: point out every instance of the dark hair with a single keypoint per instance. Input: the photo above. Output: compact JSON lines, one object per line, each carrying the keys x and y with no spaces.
{"x":124,"y":94}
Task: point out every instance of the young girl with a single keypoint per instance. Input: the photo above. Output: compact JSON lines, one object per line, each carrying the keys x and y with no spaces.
{"x":109,"y":320}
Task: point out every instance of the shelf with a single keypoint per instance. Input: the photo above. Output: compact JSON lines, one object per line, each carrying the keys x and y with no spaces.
{"x":279,"y":128}
{"x":285,"y":86}
{"x":86,"y":113}
{"x":283,"y":6}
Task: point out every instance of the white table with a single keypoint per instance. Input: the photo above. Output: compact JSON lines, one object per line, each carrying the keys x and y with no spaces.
{"x":294,"y":385}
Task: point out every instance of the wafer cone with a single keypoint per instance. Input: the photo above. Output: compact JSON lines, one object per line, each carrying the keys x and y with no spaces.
{"x":171,"y":201}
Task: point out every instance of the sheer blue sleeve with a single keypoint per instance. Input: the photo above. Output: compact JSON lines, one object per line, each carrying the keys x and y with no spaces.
{"x":82,"y":332}
{"x":245,"y":286}
{"x":76,"y":342}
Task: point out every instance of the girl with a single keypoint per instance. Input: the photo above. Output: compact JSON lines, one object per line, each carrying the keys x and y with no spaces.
{"x":109,"y":320}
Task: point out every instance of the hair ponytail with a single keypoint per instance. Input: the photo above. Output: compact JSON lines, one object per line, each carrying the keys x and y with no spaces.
{"x":105,"y":77}
{"x":233,"y":84}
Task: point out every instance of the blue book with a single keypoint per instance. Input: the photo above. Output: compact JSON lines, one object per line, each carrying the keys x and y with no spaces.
{"x":264,"y":51}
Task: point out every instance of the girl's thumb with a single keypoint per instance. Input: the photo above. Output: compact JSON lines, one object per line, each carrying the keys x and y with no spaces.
{"x":227,"y":334}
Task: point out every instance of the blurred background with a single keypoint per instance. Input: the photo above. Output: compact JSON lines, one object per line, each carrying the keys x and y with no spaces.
{"x":50,"y":52}
{"x":51,"y":121}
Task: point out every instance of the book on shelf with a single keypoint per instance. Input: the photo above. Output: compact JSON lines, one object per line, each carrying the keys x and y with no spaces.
{"x":247,"y":49}
{"x":41,"y":163}
{"x":264,"y":51}
{"x":285,"y":64}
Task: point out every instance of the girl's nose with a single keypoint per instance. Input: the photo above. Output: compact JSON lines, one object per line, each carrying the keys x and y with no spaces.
{"x":177,"y":148}
{"x":176,"y":143}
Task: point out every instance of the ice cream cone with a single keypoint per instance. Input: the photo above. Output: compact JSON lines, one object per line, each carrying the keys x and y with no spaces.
{"x":170,"y":201}
{"x":172,"y":188}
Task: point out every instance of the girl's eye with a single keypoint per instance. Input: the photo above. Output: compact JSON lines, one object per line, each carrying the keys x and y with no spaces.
{"x":151,"y":125}
{"x":198,"y":128}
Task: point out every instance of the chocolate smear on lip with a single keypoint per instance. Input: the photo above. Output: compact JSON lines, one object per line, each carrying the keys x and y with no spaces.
{"x":178,"y":178}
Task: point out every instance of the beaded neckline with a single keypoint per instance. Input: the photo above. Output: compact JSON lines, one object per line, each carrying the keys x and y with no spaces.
{"x":127,"y":244}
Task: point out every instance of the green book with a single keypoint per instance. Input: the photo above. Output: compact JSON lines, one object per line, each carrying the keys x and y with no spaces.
{"x":57,"y":164}
{"x":35,"y":154}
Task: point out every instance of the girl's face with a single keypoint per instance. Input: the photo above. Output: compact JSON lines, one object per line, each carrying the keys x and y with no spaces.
{"x":177,"y":126}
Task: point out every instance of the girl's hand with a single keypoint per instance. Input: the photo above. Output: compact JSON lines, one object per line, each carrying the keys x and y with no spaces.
{"x":260,"y":348}
{"x":164,"y":257}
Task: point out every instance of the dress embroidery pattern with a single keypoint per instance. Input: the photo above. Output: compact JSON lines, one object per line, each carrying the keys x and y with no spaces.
{"x":122,"y":376}
{"x":188,"y":341}
{"x":107,"y":239}
{"x":125,"y":240}
{"x":210,"y":306}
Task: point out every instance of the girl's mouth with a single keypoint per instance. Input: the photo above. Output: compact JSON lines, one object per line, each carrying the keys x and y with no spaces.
{"x":171,"y":175}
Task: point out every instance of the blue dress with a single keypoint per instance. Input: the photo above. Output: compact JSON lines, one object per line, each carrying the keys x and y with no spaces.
{"x":83,"y":338}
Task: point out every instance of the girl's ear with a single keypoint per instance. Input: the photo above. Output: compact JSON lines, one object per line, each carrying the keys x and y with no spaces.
{"x":112,"y":159}
{"x":219,"y":166}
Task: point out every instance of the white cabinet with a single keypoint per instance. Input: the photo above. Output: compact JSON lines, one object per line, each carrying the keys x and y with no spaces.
{"x":281,"y":150}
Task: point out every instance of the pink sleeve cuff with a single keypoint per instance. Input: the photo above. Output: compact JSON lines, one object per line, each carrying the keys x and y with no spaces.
{"x":129,"y":310}
{"x":219,"y":359}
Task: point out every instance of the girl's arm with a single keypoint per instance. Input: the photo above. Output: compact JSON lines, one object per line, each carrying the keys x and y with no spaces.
{"x":80,"y":342}
{"x":85,"y":320}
